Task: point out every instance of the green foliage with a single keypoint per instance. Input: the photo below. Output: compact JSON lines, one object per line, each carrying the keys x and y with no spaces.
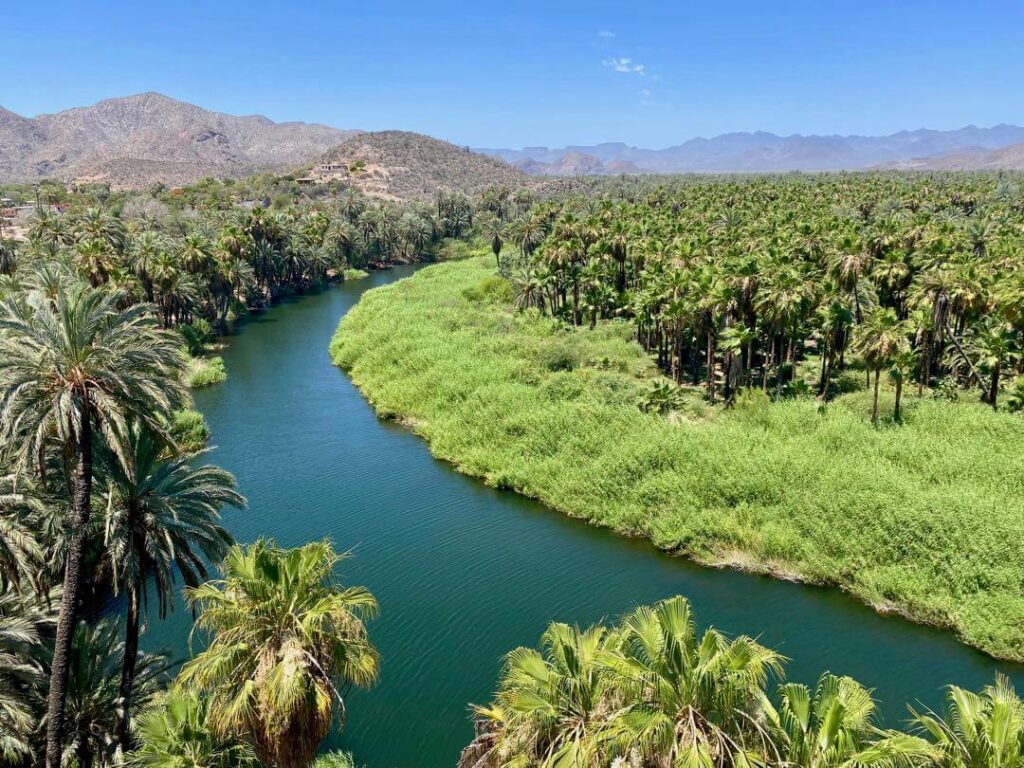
{"x":176,"y":733}
{"x":890,"y":515}
{"x":355,"y":274}
{"x":197,"y":335}
{"x":284,"y":639}
{"x":334,"y":760}
{"x":205,"y":371}
{"x":188,"y":430}
{"x":491,"y":289}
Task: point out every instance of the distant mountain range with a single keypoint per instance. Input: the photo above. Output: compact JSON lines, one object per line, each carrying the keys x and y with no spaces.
{"x":963,"y":149}
{"x":137,"y":140}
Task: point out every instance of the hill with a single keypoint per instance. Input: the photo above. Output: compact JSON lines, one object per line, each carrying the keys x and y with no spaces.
{"x":138,"y":140}
{"x":398,"y":165}
{"x":762,"y":152}
{"x":969,"y":159}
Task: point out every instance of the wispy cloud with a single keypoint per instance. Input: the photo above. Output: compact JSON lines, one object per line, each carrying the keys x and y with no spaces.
{"x":606,"y":34}
{"x":624,"y":64}
{"x":646,"y":93}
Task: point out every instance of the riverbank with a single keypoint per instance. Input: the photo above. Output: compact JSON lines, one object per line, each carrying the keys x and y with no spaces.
{"x":923,"y":519}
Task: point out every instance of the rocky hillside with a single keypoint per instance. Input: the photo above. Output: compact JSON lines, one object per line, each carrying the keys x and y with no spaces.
{"x":398,"y":165}
{"x":142,"y":139}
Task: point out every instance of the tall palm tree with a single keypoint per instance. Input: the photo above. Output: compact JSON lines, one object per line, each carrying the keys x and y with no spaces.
{"x":690,"y":700}
{"x":162,"y":520}
{"x":70,"y":366}
{"x":285,"y":643}
{"x":550,"y":703}
{"x":879,"y":339}
{"x":176,"y":733}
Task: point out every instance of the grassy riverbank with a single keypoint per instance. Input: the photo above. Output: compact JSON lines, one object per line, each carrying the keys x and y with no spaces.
{"x":926,"y":518}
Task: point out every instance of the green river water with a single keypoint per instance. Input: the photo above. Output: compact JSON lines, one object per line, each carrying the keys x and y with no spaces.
{"x":464,"y":572}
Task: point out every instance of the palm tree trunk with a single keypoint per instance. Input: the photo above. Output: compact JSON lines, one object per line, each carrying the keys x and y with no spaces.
{"x":69,"y":598}
{"x":899,"y":394}
{"x":874,"y":399}
{"x":993,"y":388}
{"x":131,"y":655}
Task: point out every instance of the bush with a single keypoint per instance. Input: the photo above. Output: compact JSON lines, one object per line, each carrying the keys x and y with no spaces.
{"x":204,"y":371}
{"x":197,"y":335}
{"x":188,"y":429}
{"x":355,"y":274}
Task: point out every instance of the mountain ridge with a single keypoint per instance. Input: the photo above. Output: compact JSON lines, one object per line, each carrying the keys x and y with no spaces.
{"x":138,"y":134}
{"x":765,"y":152}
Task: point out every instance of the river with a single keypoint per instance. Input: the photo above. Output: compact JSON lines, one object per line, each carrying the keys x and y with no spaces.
{"x":464,"y":573}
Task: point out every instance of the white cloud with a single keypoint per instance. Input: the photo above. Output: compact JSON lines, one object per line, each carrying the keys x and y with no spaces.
{"x":606,"y":34}
{"x":624,"y":64}
{"x":646,"y":93}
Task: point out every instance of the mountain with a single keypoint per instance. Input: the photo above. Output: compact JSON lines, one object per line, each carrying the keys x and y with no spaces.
{"x":763,"y":152}
{"x":137,"y":140}
{"x":968,"y":159}
{"x":398,"y":165}
{"x":577,"y":164}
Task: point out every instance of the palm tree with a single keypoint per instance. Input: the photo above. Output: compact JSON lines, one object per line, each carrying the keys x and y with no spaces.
{"x":69,"y":366}
{"x":826,"y":728}
{"x":995,"y":345}
{"x":879,"y":339}
{"x":23,"y":623}
{"x":93,"y":691}
{"x":983,"y":730}
{"x":285,"y":642}
{"x":902,"y":365}
{"x":550,"y":704}
{"x":162,"y":519}
{"x":689,"y":700}
{"x":176,"y":733}
{"x":20,"y":554}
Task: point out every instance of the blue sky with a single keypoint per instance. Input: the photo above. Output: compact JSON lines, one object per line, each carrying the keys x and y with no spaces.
{"x":535,"y":73}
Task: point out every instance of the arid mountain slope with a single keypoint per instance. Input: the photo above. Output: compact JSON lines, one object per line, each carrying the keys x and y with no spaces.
{"x":398,"y":165}
{"x":146,"y":138}
{"x":970,"y":159}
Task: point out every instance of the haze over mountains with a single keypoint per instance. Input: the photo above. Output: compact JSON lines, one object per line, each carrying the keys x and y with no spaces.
{"x":138,"y":140}
{"x":762,"y":152}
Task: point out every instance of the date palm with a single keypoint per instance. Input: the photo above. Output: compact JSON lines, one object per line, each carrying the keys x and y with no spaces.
{"x":23,"y":625}
{"x":162,"y":520}
{"x":285,"y":643}
{"x":92,"y":692}
{"x":68,"y":367}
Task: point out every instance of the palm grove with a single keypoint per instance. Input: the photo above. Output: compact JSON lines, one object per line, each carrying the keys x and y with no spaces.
{"x":730,"y":285}
{"x":104,"y":494}
{"x":733,"y":284}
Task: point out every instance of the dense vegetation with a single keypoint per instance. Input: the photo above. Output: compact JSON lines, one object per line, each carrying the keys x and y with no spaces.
{"x":650,"y":692}
{"x":804,"y":486}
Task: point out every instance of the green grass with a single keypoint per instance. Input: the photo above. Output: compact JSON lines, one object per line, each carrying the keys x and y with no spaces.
{"x":355,"y":274}
{"x":189,"y":429}
{"x":926,"y":518}
{"x":204,"y":371}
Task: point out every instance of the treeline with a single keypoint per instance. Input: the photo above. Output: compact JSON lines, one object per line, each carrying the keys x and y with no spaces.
{"x":652,"y":692}
{"x":104,"y":491}
{"x":732,"y":283}
{"x":214,"y":263}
